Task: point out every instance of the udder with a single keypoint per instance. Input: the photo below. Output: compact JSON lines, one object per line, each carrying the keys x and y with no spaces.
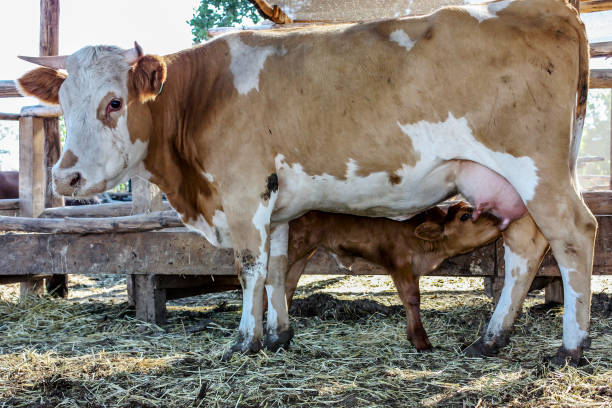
{"x":488,"y":191}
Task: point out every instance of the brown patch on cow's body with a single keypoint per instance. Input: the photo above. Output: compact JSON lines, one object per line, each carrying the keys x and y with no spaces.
{"x":395,"y":179}
{"x":69,"y":159}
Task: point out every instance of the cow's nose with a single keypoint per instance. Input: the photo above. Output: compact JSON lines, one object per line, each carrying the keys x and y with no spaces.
{"x":75,"y":179}
{"x":67,"y":184}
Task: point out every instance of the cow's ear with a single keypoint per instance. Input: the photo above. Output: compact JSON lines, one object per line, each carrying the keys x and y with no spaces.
{"x":429,"y":231}
{"x":147,"y":77}
{"x":42,"y":83}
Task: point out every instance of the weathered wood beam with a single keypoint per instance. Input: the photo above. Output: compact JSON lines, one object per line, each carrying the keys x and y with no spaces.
{"x":595,"y":5}
{"x":599,"y":202}
{"x":6,"y":279}
{"x":187,"y":253}
{"x":600,"y":78}
{"x":95,"y":210}
{"x":9,"y":116}
{"x":133,"y":223}
{"x":8,"y":89}
{"x":31,"y":166}
{"x":42,"y":111}
{"x":9,"y":204}
{"x":601,"y":49}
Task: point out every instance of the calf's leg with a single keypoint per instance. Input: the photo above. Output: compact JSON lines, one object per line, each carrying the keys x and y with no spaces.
{"x":407,"y":286}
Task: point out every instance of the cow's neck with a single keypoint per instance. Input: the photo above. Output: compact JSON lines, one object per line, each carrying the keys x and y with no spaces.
{"x":175,"y":157}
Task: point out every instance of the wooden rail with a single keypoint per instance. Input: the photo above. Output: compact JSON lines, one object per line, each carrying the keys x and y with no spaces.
{"x":595,"y":5}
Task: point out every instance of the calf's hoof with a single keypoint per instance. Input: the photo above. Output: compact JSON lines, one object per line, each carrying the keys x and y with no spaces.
{"x":482,"y":348}
{"x":274,"y":341}
{"x":421,"y":344}
{"x":570,"y":357}
{"x":244,"y":347}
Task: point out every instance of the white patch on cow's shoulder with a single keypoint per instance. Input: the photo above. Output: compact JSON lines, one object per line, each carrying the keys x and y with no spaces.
{"x":486,"y":11}
{"x":400,"y":37}
{"x":453,"y":139}
{"x":279,"y":240}
{"x":247,"y":62}
{"x":512,"y":262}
{"x":572,"y":335}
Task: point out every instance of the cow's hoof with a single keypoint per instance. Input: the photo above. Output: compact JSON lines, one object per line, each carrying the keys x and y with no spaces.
{"x":243,"y":347}
{"x":274,"y":342}
{"x":481,"y":348}
{"x":570,"y":357}
{"x":421,"y":345}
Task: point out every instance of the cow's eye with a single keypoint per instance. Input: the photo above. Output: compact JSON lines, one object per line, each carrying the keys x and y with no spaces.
{"x":114,"y":105}
{"x":465,"y":217}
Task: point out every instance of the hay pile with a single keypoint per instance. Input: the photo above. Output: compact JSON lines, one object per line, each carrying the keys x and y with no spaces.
{"x":89,"y":351}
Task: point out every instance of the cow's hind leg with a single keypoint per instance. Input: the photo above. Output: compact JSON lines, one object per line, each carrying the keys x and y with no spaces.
{"x":524,"y":247}
{"x":570,"y":229}
{"x":278,"y":329}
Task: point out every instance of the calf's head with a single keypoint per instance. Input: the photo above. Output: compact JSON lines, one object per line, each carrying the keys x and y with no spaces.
{"x":456,"y":230}
{"x":103,"y":87}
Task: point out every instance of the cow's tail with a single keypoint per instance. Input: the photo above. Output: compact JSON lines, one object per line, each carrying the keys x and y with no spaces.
{"x":581,"y":94}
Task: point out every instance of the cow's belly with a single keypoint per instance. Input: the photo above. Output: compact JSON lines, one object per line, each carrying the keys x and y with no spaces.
{"x":373,"y":195}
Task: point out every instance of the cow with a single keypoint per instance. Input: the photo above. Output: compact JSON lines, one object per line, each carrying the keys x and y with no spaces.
{"x":9,"y":184}
{"x":407,"y":249}
{"x":385,"y":118}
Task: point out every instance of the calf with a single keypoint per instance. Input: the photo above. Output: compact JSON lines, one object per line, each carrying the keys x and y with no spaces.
{"x":407,"y":249}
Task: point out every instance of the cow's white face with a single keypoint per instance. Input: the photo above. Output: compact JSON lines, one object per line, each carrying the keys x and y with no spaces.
{"x":99,"y":152}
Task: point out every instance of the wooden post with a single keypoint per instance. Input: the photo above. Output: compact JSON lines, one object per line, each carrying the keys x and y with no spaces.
{"x":146,"y":198}
{"x":553,"y":292}
{"x":31,"y":180}
{"x":610,"y":139}
{"x":150,"y":300}
{"x":57,"y":285}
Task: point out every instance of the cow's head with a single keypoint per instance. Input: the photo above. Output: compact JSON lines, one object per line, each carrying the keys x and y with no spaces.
{"x":102,"y":87}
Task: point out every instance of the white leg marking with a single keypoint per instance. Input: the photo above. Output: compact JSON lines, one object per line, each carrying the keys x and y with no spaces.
{"x":279,"y":240}
{"x":572,"y":335}
{"x":247,"y":321}
{"x":272,"y":322}
{"x":513,"y":262}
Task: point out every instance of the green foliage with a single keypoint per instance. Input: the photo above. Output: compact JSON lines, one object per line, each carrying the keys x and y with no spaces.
{"x":220,"y":13}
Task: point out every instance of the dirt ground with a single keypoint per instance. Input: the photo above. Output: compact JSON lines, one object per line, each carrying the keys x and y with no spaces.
{"x":349,"y":350}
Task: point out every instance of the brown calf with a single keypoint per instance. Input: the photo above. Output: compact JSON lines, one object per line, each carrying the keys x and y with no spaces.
{"x":407,"y":249}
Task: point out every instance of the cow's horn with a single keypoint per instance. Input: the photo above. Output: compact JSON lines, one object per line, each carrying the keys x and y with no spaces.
{"x":55,"y":62}
{"x":132,"y":55}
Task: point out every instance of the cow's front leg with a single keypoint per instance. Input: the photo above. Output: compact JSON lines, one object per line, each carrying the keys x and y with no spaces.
{"x":249,"y":223}
{"x":524,"y":248}
{"x":278,"y":329}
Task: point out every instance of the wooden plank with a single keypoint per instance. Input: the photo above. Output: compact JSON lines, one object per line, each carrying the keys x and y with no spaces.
{"x":9,"y":204}
{"x":8,"y":89}
{"x":150,"y":299}
{"x":595,"y":5}
{"x":271,"y":12}
{"x":6,"y":279}
{"x":9,"y":116}
{"x":31,"y":166}
{"x":601,"y":49}
{"x":42,"y":111}
{"x":600,"y":78}
{"x":133,"y":223}
{"x":600,"y":202}
{"x":95,"y":211}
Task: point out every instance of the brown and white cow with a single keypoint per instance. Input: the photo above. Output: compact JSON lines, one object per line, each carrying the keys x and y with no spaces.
{"x":387,"y":118}
{"x":407,"y":249}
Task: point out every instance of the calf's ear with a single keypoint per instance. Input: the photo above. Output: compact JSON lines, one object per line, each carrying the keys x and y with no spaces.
{"x":429,"y":231}
{"x":42,"y":83}
{"x":147,"y":77}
